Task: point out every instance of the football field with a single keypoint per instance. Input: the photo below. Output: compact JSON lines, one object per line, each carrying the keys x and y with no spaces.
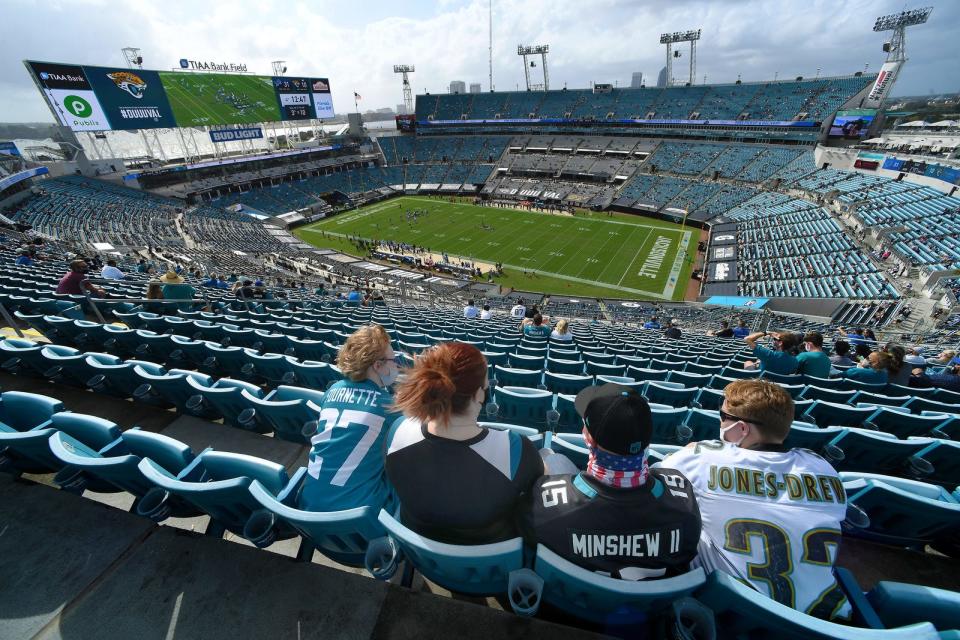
{"x":589,"y":254}
{"x":208,"y":98}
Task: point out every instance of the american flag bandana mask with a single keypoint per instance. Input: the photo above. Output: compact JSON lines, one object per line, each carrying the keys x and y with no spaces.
{"x":622,"y":472}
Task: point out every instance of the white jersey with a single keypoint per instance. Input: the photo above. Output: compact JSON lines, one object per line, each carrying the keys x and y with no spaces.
{"x":518,"y":311}
{"x":770,"y":518}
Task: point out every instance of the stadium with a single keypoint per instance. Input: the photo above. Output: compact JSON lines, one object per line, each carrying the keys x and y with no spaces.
{"x":712,"y":326}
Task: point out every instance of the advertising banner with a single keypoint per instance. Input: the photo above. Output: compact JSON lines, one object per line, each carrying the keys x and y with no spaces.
{"x":131,"y":98}
{"x":322,"y":100}
{"x":71,"y":96}
{"x":9,"y":148}
{"x":737,"y":301}
{"x":232,"y":135}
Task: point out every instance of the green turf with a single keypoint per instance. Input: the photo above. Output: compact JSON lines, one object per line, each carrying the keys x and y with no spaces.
{"x":587,"y":255}
{"x":193,"y":98}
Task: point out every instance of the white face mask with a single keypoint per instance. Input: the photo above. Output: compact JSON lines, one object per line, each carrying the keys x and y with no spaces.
{"x":723,"y":431}
{"x":388,"y":378}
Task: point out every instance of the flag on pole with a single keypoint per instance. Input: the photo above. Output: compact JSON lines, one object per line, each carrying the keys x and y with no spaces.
{"x":356,"y":96}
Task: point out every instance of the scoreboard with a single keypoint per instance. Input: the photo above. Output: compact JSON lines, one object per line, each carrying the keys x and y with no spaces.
{"x":87,"y":98}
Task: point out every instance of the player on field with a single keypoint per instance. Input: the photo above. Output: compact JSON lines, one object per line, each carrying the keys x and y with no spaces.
{"x":771,"y":515}
{"x":345,"y":464}
{"x":618,"y":516}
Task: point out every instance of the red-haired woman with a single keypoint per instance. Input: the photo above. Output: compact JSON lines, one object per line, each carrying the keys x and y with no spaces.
{"x":457,"y":482}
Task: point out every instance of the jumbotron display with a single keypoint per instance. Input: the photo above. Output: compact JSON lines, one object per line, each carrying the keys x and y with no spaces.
{"x":87,"y":98}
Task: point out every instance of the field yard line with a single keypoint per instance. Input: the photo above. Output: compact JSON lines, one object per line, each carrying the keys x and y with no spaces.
{"x":598,"y":251}
{"x":188,"y":98}
{"x":625,"y":243}
{"x":677,"y":265}
{"x":604,"y":285}
{"x":639,"y":253}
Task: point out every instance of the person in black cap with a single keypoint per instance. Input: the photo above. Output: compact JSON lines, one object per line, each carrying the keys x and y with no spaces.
{"x":618,"y":516}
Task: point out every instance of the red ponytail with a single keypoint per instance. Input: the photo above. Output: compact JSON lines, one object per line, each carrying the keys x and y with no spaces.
{"x":442,"y":382}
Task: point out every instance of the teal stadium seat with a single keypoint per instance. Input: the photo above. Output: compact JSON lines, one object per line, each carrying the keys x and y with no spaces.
{"x":523,"y":406}
{"x":29,"y":451}
{"x":290,"y":412}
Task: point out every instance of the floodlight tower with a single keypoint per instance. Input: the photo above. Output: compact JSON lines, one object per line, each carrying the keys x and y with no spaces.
{"x":896,"y":49}
{"x":404,"y":69}
{"x":670,"y":39}
{"x":541,"y":50}
{"x":279,"y":67}
{"x":133,"y":57}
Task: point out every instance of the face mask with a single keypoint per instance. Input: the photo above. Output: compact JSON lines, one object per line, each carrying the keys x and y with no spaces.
{"x":723,"y":431}
{"x":390,"y":377}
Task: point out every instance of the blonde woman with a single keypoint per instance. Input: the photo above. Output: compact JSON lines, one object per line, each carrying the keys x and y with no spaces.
{"x":345,"y":464}
{"x":562,"y":331}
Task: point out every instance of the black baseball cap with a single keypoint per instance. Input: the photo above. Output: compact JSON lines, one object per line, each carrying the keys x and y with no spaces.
{"x":617,"y":418}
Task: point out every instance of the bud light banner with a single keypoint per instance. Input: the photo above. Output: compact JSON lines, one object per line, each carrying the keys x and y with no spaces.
{"x":131,"y":98}
{"x":234,"y":135}
{"x":70,"y":95}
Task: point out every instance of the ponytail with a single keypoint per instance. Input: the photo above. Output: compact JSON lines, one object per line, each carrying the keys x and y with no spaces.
{"x":442,"y":382}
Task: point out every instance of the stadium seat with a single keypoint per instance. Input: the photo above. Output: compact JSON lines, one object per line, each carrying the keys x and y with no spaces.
{"x":217,"y":483}
{"x":710,"y":399}
{"x":314,"y":375}
{"x":918,"y":405}
{"x":29,"y":451}
{"x":832,"y":414}
{"x":704,"y":423}
{"x":897,"y":604}
{"x":671,"y":394}
{"x":598,"y":368}
{"x":510,"y":377}
{"x":272,"y":368}
{"x":569,"y":367}
{"x":621,"y":380}
{"x":902,"y":512}
{"x":566,"y":383}
{"x":18,"y":355}
{"x":21,"y":411}
{"x":823,"y":383}
{"x":222,"y":399}
{"x":668,"y":427}
{"x":530,"y":363}
{"x":170,"y":387}
{"x":342,"y":536}
{"x":523,"y":406}
{"x":813,"y":392}
{"x":604,"y":600}
{"x":290,"y":412}
{"x":877,"y":452}
{"x":569,"y":420}
{"x":478,"y":570}
{"x":120,"y":380}
{"x":879,"y":399}
{"x":903,"y":424}
{"x":742,"y":613}
{"x":690,"y":380}
{"x":804,"y":435}
{"x":944,"y":455}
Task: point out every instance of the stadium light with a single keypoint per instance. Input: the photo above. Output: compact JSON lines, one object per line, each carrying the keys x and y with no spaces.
{"x":671,"y":39}
{"x":903,"y":19}
{"x":407,"y":92}
{"x":536,"y":50}
{"x":279,"y":67}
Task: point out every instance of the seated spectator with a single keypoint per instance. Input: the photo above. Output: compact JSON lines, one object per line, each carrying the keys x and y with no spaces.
{"x":812,"y":361}
{"x":562,"y":331}
{"x":854,"y":337}
{"x":723,"y":332}
{"x":174,"y":288}
{"x":617,"y":496}
{"x":537,"y":328}
{"x":915,"y":358}
{"x":212,"y":281}
{"x":243,"y":290}
{"x":154,"y":292}
{"x":840,"y":350}
{"x":486,"y":314}
{"x":899,"y":372}
{"x":24,"y":259}
{"x":652,"y":323}
{"x":862,"y":351}
{"x":141,"y":266}
{"x":741,"y":330}
{"x":943,"y":358}
{"x":530,"y":312}
{"x":780,"y":359}
{"x":345,"y":464}
{"x":111,"y":272}
{"x":457,"y":482}
{"x":354,"y":297}
{"x":874,"y":370}
{"x":673,"y":330}
{"x":75,"y":281}
{"x":320,"y":290}
{"x":764,"y":505}
{"x":470,"y":311}
{"x":519,"y":310}
{"x":948,"y":379}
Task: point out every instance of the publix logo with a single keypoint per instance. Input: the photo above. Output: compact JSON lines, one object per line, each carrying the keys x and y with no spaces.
{"x":78,"y":106}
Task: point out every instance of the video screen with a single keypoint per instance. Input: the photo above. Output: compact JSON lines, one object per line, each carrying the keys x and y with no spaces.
{"x":852,"y":125}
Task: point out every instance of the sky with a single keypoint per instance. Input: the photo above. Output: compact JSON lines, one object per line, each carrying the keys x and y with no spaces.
{"x":356,"y":43}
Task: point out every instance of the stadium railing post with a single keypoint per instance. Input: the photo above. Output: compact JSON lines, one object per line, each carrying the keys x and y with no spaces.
{"x":9,"y":320}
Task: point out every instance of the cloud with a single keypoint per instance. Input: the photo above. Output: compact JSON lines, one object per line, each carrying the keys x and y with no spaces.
{"x":356,"y":44}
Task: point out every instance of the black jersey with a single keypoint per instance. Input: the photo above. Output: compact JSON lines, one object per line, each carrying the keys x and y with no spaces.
{"x":461,"y":491}
{"x":648,"y":532}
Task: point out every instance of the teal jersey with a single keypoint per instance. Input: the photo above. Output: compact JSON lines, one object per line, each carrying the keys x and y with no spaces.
{"x":534,"y":330}
{"x":814,"y":363}
{"x":345,"y":464}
